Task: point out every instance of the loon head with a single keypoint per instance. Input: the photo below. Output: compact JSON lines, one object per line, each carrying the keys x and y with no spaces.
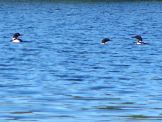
{"x":16,"y":38}
{"x":105,"y":41}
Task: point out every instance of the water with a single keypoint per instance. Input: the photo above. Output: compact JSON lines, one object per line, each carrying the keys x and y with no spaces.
{"x":62,"y":73}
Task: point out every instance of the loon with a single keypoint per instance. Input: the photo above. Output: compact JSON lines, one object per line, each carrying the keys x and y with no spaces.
{"x":139,"y":40}
{"x":105,"y":41}
{"x":16,"y":38}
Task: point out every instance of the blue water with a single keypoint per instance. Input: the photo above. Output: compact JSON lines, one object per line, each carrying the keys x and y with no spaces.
{"x":62,"y":73}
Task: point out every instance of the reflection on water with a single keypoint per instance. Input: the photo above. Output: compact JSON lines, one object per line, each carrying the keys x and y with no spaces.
{"x":62,"y":72}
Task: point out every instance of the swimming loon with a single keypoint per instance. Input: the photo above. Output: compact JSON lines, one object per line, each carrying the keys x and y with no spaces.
{"x":16,"y":38}
{"x":139,"y":40}
{"x":105,"y":41}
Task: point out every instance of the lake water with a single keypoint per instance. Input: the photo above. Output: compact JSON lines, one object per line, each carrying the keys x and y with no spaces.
{"x":61,"y":73}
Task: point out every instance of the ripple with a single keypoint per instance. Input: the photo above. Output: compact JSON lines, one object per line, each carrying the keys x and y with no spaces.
{"x":156,"y":78}
{"x":129,"y":103}
{"x":74,"y":79}
{"x":109,"y":107}
{"x":122,"y":108}
{"x":100,"y":87}
{"x":22,"y":112}
{"x":94,"y":99}
{"x":124,"y":78}
{"x":145,"y":117}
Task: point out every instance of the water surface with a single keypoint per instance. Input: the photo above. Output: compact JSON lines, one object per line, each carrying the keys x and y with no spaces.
{"x":62,"y":73}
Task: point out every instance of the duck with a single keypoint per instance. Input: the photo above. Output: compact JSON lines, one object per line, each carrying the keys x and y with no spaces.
{"x":139,"y":40}
{"x":105,"y":41}
{"x":16,"y":38}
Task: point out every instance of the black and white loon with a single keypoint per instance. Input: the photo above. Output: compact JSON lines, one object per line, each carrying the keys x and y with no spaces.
{"x":105,"y":41}
{"x":16,"y":38}
{"x":139,"y":40}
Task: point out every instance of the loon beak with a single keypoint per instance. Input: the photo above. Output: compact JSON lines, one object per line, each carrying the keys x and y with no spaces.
{"x":133,"y":37}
